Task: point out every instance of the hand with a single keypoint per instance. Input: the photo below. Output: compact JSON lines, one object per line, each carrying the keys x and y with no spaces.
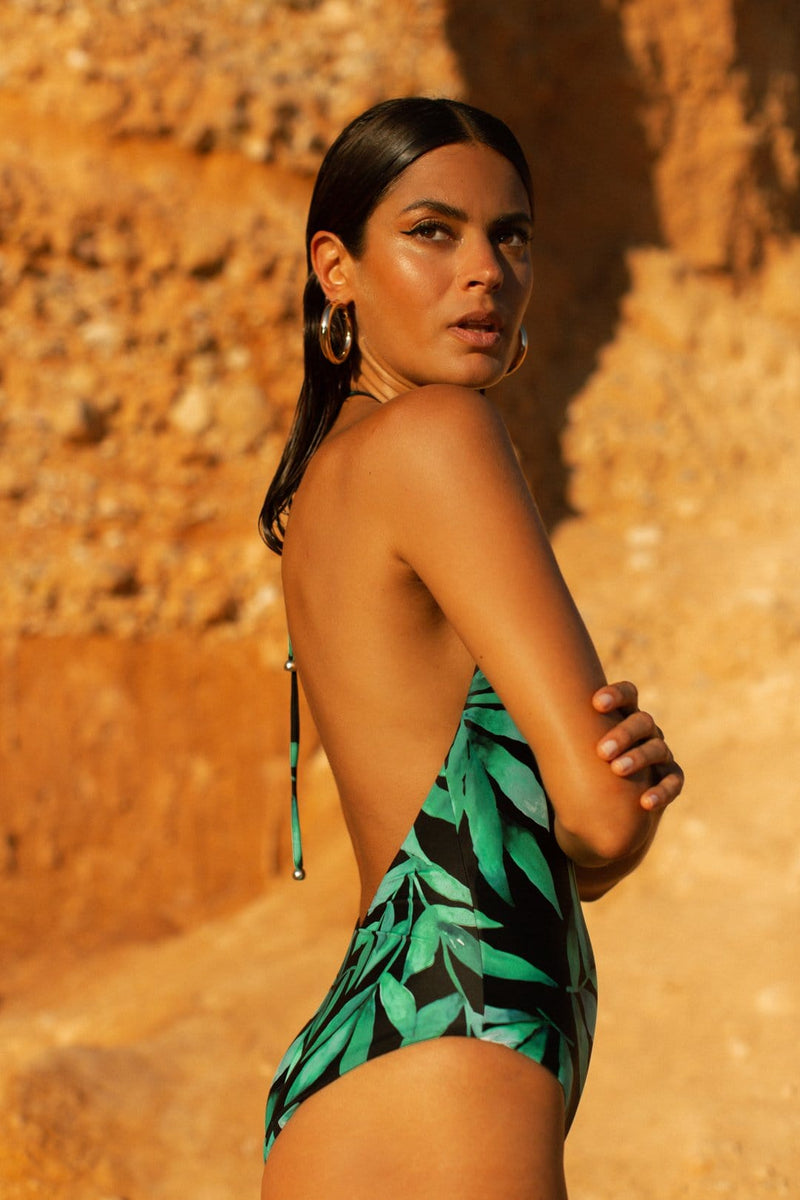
{"x":637,"y":742}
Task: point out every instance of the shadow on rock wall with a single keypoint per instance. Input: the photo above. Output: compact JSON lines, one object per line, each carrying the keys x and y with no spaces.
{"x":768,"y":48}
{"x":559,"y":73}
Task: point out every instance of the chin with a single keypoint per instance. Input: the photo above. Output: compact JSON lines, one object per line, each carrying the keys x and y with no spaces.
{"x":482,"y":376}
{"x":477,"y":375}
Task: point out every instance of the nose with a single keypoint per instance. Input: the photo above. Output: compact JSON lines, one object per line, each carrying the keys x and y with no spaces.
{"x":481,"y":265}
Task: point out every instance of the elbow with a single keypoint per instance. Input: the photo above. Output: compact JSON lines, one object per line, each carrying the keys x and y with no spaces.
{"x":614,"y":844}
{"x":624,"y":836}
{"x":606,"y":840}
{"x":600,"y":818}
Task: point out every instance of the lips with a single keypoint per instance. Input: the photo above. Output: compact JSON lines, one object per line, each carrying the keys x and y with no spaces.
{"x":480,"y":320}
{"x":479,"y":329}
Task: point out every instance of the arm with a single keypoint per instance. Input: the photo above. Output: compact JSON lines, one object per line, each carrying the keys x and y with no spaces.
{"x":461,"y":516}
{"x":635,"y":742}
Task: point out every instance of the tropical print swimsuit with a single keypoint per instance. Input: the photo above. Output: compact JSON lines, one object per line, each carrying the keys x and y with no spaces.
{"x":476,"y":930}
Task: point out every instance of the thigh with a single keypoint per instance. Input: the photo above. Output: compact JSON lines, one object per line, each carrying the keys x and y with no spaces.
{"x":452,"y":1119}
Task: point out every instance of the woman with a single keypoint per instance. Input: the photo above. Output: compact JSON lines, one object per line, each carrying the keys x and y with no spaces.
{"x":452,"y":683}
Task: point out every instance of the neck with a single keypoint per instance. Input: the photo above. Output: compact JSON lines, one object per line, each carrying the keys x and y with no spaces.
{"x":377,"y":382}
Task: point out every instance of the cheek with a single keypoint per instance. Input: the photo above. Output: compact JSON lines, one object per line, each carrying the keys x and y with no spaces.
{"x":414,"y":273}
{"x":398,"y":293}
{"x":389,"y":278}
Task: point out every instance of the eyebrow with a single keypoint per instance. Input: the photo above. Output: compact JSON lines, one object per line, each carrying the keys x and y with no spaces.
{"x":458,"y":214}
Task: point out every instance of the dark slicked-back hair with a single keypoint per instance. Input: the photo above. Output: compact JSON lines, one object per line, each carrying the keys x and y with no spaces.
{"x":358,"y":170}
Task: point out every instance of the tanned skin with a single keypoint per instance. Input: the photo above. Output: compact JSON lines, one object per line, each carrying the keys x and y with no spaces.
{"x":414,"y":551}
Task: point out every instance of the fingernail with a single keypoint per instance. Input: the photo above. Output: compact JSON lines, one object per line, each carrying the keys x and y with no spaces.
{"x":605,"y":701}
{"x":609,"y":748}
{"x":622,"y":764}
{"x":651,"y":800}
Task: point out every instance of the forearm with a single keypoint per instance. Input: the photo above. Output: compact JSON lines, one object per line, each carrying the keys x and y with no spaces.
{"x":613,"y":827}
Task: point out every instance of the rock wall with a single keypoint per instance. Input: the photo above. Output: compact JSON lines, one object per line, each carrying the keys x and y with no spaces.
{"x":155,"y":166}
{"x":649,"y":123}
{"x":155,"y":163}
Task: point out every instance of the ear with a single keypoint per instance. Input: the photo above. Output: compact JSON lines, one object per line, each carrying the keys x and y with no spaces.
{"x":331,"y":262}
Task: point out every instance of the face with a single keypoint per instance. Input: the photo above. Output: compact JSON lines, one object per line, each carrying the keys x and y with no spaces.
{"x":441,"y":286}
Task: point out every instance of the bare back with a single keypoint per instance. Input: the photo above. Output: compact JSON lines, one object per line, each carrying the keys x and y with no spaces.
{"x":384,"y":672}
{"x":411,"y":510}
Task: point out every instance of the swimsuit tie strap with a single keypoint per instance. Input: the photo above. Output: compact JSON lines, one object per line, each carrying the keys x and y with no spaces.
{"x":294,"y":745}
{"x":294,"y":736}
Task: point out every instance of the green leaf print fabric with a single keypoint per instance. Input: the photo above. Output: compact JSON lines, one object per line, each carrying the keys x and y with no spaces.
{"x":476,"y":930}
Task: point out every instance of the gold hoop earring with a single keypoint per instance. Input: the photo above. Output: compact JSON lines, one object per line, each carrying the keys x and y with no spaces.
{"x":329,"y":314}
{"x":522,"y":350}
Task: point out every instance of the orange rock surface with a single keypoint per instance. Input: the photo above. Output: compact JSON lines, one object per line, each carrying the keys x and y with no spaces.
{"x":156,"y":158}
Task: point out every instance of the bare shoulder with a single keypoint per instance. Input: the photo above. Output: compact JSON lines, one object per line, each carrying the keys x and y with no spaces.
{"x":440,"y":428}
{"x":442,"y":409}
{"x":441,"y":457}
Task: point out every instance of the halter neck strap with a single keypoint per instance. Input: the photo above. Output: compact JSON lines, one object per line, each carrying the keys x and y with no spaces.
{"x":369,"y":396}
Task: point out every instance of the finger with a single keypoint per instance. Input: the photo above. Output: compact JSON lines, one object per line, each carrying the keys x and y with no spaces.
{"x":652,"y":753}
{"x":659,"y":797}
{"x":616,"y":695}
{"x":638,"y":727}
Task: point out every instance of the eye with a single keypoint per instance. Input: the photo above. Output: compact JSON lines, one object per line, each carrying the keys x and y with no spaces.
{"x":431,"y":231}
{"x":516,"y":236}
